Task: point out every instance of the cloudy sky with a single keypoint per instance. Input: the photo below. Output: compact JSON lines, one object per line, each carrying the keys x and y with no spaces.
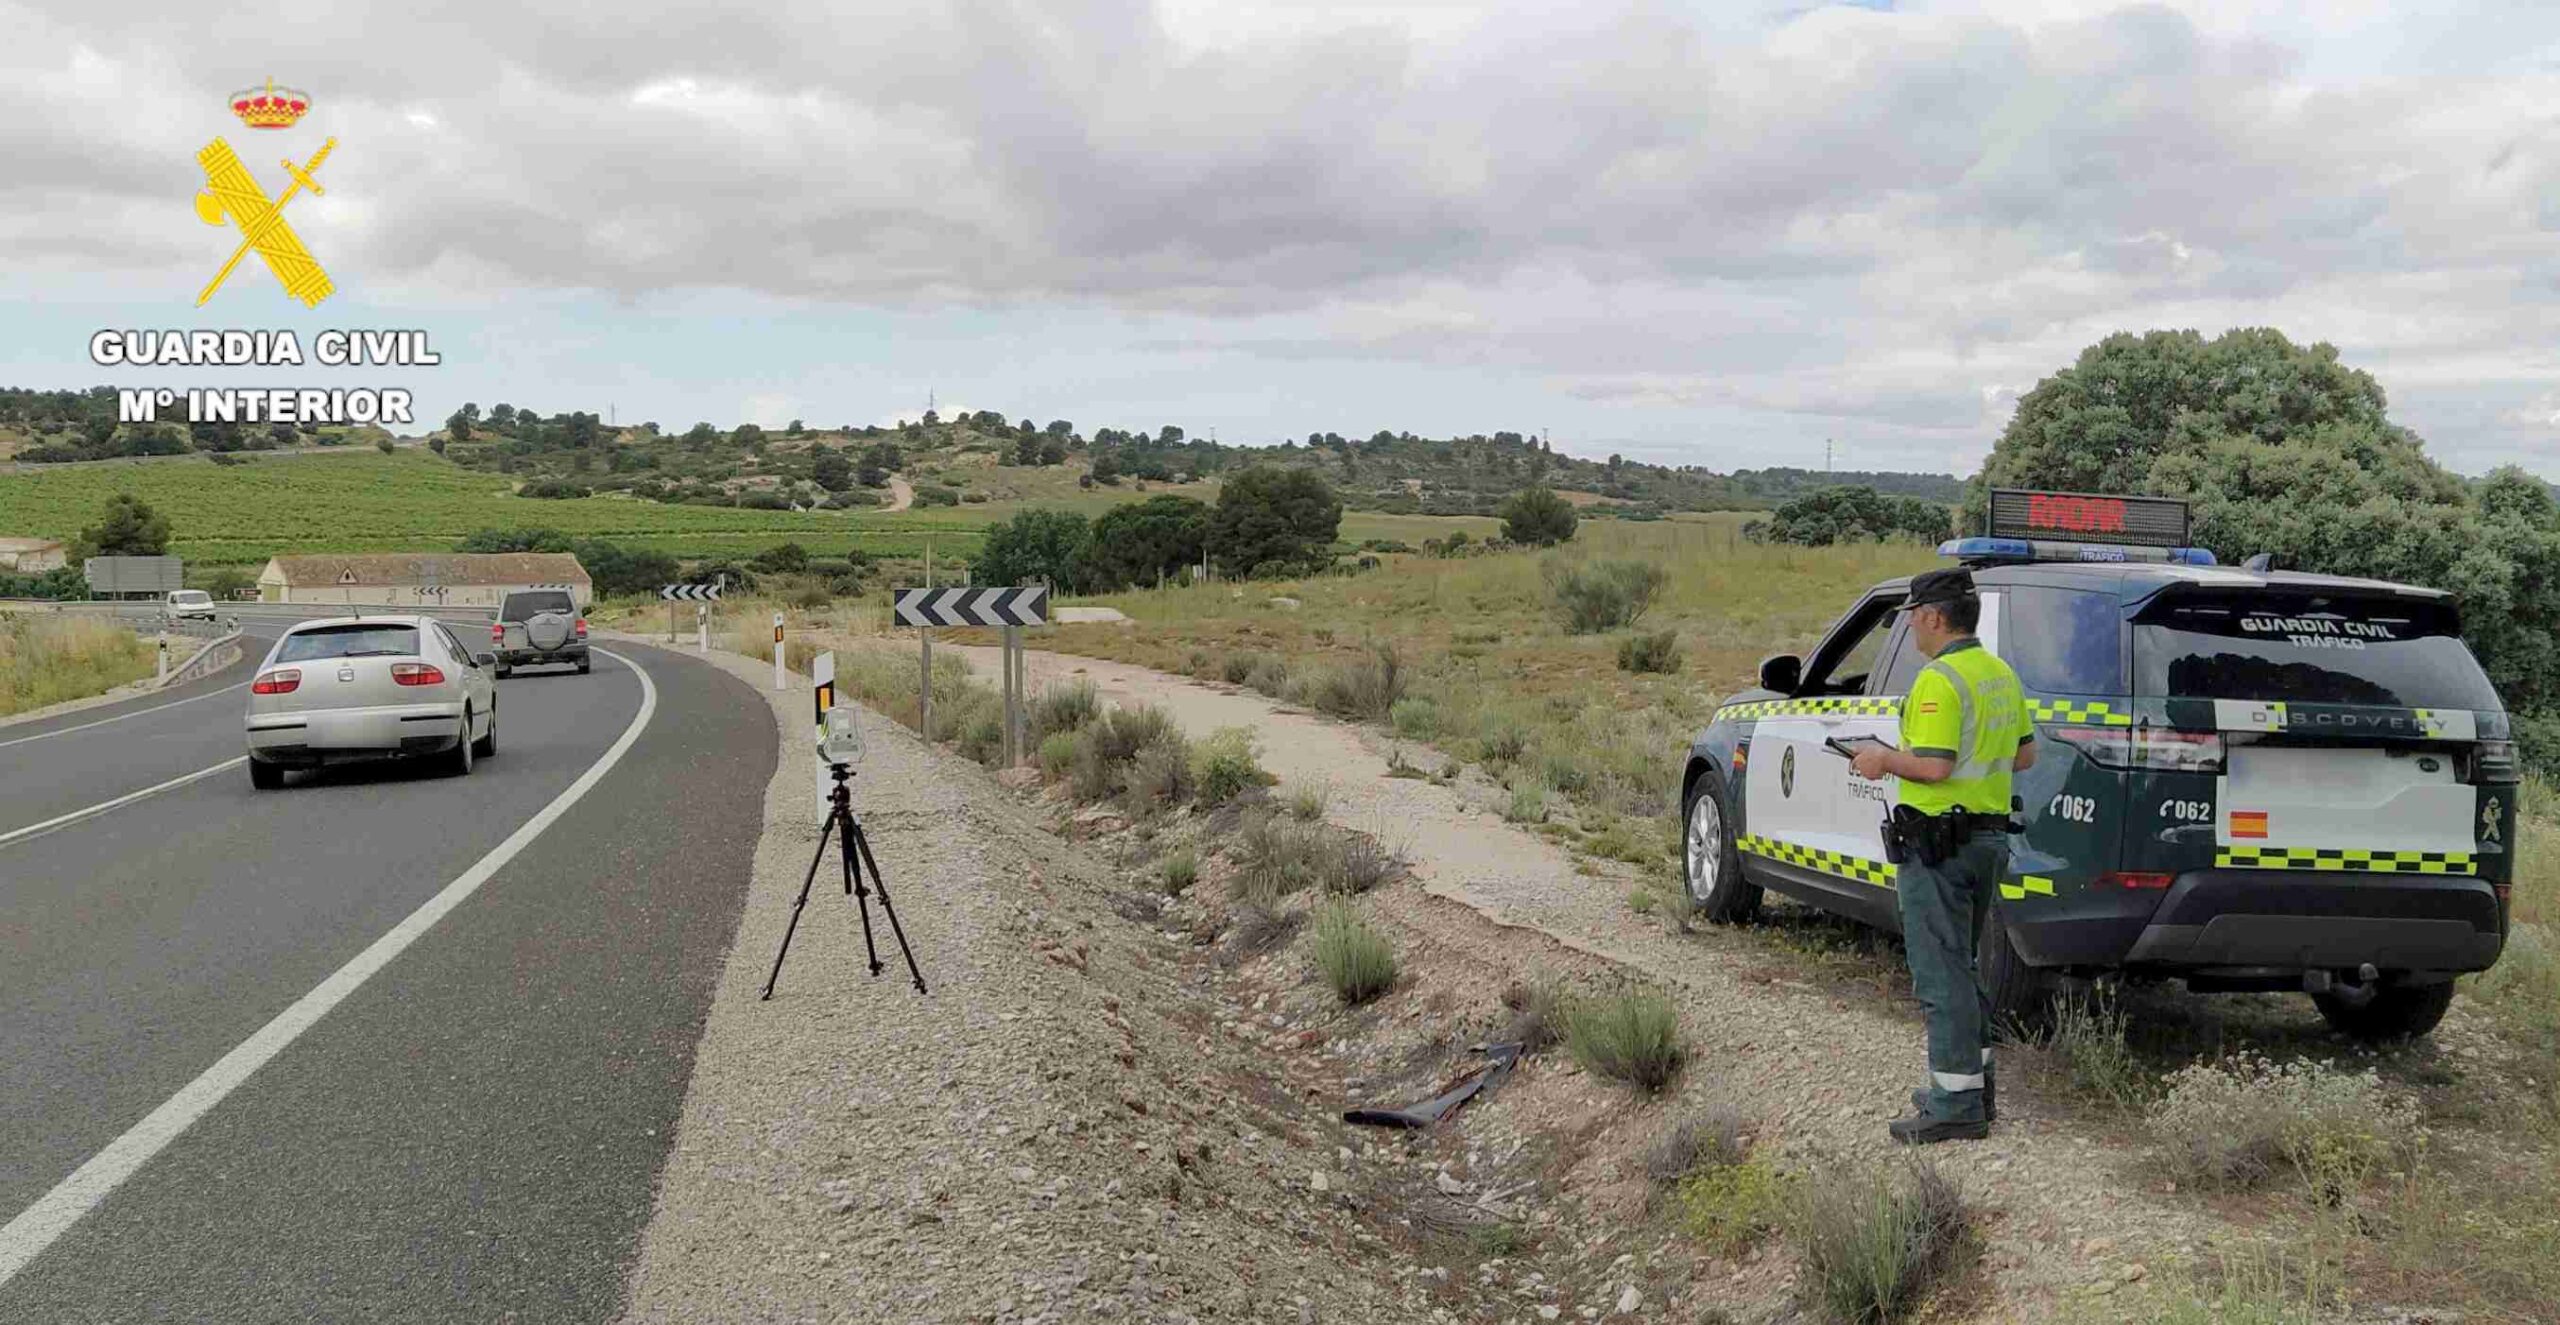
{"x":1703,"y":233}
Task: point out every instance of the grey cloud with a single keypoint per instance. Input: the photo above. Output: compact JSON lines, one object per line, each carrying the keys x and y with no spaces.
{"x":1847,"y":215}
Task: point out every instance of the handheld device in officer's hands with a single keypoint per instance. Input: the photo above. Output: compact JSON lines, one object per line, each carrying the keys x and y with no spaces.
{"x":1848,"y":749}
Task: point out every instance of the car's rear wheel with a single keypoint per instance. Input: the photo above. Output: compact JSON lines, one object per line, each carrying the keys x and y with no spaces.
{"x":265,"y":776}
{"x":584,"y":666}
{"x":1711,"y":866}
{"x":2021,"y":999}
{"x":458,"y":762}
{"x":504,"y":672}
{"x":488,"y":744}
{"x":2395,"y":1012}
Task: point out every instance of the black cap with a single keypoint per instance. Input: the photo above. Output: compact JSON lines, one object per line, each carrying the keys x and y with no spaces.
{"x":1938,"y":586}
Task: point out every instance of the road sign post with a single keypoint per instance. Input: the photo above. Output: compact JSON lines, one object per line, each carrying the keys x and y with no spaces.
{"x":1009,"y":608}
{"x":777,"y":651}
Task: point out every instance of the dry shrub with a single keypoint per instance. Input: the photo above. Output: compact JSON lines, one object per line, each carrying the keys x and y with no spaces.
{"x":1873,"y":1239}
{"x":1065,"y":707}
{"x":1224,"y":767}
{"x":2234,"y":1124}
{"x":1356,"y":960}
{"x":1160,"y":775}
{"x":1718,"y":1136}
{"x":1632,"y":1036}
{"x":1537,"y":1013}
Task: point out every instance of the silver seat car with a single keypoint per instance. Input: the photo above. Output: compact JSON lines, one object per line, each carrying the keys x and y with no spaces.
{"x":354,"y":688}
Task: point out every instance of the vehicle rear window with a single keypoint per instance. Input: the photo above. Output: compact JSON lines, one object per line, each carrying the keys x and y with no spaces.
{"x":2402,"y":653}
{"x":2065,"y":641}
{"x":527,"y":606}
{"x":350,"y":641}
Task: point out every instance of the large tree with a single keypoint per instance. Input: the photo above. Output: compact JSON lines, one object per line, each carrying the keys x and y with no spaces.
{"x":1136,"y":542}
{"x":1274,"y":521}
{"x":1536,"y":516}
{"x":2280,"y":448}
{"x":1031,"y":547}
{"x":128,"y":528}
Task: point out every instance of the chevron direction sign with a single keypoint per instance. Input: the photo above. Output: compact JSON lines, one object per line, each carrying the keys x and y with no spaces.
{"x":690,"y":592}
{"x":1026,"y":606}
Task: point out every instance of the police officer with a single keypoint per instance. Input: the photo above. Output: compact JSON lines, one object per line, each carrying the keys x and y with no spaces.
{"x":1964,"y":731}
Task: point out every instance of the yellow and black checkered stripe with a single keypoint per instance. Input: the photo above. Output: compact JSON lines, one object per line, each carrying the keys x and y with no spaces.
{"x":2097,"y":712}
{"x":2344,"y":860}
{"x":1827,"y":706}
{"x":2028,"y":885}
{"x":1835,"y":863}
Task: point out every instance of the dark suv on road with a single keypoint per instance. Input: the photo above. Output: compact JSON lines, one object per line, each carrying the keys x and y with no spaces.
{"x":2250,"y":780}
{"x":538,"y":627}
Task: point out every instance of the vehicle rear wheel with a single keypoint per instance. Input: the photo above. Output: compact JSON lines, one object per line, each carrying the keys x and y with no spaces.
{"x":2020,"y":998}
{"x":504,"y":672}
{"x":488,"y":744}
{"x":2395,"y":1012}
{"x":1711,"y":866}
{"x":583,"y":665}
{"x":457,"y":763}
{"x":265,"y":776}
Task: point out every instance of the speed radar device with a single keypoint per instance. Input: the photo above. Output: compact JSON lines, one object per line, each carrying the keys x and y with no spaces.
{"x":2247,"y":779}
{"x":839,"y":745}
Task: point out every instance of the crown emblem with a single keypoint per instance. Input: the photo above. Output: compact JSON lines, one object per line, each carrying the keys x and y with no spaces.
{"x":270,"y":107}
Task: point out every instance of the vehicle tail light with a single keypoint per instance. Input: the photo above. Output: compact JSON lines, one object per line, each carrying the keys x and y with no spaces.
{"x":282,"y":681}
{"x":2140,"y":879}
{"x":582,"y":627}
{"x":497,"y":632}
{"x":2493,"y":763}
{"x":417,"y":674}
{"x":2157,"y":749}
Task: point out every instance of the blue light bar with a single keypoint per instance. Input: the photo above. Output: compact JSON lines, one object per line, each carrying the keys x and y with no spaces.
{"x":2024,"y":549}
{"x":1988,"y":549}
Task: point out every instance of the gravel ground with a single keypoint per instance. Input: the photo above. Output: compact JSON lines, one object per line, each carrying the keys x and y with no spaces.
{"x":2072,"y":1214}
{"x":1060,"y":1131}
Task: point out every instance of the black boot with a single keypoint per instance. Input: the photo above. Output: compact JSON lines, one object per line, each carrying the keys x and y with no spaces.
{"x":1925,"y":1131}
{"x":1990,"y":1096}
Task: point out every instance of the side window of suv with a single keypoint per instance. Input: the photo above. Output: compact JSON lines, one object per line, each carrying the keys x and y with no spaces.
{"x":1902,"y":666}
{"x":2065,"y":641}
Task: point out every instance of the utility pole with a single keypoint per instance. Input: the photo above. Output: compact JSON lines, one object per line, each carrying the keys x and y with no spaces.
{"x":1826,"y":455}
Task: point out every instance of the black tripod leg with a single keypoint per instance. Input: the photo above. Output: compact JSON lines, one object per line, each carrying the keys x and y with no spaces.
{"x":855,"y":888}
{"x":862,"y":843}
{"x":796,"y":906}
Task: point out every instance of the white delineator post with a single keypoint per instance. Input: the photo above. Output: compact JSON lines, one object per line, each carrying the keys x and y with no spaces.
{"x":702,"y":627}
{"x":164,"y":657}
{"x":777,"y":651}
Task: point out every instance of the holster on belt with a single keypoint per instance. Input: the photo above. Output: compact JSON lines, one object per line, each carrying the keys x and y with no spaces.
{"x":1927,"y":838}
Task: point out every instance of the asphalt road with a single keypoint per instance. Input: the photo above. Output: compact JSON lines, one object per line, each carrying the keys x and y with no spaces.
{"x":473,"y":1132}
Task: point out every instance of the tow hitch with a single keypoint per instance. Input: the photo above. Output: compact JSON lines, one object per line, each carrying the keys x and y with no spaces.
{"x":2353,"y":989}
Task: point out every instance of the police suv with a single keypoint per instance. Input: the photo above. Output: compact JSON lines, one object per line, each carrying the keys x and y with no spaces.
{"x":2249,"y":780}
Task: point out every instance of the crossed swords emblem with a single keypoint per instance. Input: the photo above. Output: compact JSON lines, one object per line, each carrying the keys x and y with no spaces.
{"x":232,"y":194}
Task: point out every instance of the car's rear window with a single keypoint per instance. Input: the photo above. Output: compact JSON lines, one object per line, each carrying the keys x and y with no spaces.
{"x":2303,"y":648}
{"x":2064,"y":641}
{"x":191,"y":596}
{"x":527,"y":606}
{"x":349,"y":641}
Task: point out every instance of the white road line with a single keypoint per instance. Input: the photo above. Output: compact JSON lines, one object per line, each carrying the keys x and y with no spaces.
{"x":128,"y":798}
{"x":66,"y":731}
{"x":35,"y":1228}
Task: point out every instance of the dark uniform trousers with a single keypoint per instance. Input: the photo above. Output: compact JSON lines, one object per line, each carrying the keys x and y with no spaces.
{"x":1943,"y":906}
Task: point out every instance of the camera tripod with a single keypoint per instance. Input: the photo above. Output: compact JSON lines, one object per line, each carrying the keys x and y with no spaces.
{"x":854,"y":851}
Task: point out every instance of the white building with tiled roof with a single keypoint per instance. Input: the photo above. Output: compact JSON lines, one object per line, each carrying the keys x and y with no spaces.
{"x":420,"y":579}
